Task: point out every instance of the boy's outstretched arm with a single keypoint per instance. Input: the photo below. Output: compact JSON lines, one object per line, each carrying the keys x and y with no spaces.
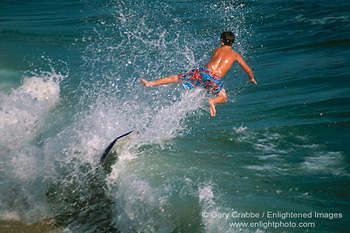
{"x":247,"y":69}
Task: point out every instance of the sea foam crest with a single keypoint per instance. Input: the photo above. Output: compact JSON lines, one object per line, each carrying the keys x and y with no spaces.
{"x":24,"y":109}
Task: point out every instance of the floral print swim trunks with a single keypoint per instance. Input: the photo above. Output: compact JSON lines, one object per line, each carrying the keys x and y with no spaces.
{"x":201,"y":77}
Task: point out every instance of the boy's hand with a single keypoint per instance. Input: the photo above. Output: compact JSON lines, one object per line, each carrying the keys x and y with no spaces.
{"x":252,"y":81}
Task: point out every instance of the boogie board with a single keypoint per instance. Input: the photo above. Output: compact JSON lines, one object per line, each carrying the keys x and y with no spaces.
{"x":109,"y":156}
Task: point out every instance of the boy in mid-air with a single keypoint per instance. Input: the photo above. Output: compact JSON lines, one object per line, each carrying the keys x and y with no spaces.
{"x":210,"y":75}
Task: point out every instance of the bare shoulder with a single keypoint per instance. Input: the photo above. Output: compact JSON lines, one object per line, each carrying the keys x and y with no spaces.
{"x":236,"y":55}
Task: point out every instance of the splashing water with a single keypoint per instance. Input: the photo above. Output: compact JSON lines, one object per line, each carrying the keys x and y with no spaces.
{"x":23,"y":114}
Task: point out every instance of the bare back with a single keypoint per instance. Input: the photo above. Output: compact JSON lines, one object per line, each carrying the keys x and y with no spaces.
{"x":222,"y":60}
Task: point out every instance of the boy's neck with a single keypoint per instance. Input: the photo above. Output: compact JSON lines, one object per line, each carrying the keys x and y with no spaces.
{"x":226,"y":46}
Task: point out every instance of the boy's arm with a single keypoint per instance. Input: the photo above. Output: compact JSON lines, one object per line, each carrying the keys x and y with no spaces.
{"x":247,"y":69}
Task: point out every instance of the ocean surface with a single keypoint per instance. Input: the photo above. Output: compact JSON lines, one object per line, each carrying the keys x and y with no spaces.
{"x":274,"y":159}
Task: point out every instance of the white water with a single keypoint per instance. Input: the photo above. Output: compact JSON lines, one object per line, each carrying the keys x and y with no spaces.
{"x":23,"y":113}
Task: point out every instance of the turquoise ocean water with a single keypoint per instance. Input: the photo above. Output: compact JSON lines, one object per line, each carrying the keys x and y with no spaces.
{"x":274,"y":159}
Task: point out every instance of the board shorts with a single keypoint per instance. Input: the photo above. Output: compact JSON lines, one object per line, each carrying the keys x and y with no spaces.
{"x":201,"y":77}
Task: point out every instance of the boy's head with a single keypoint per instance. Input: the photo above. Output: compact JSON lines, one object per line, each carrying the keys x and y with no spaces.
{"x":227,"y":38}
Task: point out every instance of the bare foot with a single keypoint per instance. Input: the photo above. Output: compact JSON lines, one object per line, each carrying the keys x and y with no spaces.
{"x":146,"y":83}
{"x":212,"y":107}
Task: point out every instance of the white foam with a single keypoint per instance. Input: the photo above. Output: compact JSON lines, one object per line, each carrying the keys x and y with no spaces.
{"x":344,"y":19}
{"x":166,"y":123}
{"x":27,"y":163}
{"x":136,"y":202}
{"x":270,"y":156}
{"x":25,"y":108}
{"x":216,"y":218}
{"x":240,"y":129}
{"x":23,"y":112}
{"x":261,"y":167}
{"x":331,"y":20}
{"x":208,"y":210}
{"x":42,"y":89}
{"x":94,"y":129}
{"x":325,"y":163}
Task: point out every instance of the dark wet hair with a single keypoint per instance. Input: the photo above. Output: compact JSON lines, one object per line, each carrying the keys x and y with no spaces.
{"x":227,"y":38}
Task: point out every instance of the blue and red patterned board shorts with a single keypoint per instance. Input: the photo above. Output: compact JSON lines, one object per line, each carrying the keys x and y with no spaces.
{"x":201,"y":77}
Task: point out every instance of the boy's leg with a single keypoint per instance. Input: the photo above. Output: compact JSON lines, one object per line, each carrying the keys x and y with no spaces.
{"x":162,"y":81}
{"x":220,"y":98}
